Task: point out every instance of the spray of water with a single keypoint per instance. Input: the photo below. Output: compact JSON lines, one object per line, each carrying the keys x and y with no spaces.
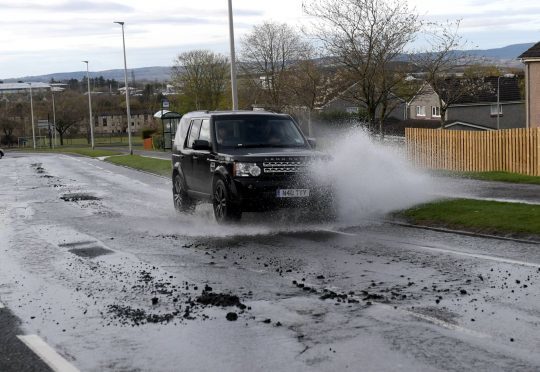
{"x":371,"y":179}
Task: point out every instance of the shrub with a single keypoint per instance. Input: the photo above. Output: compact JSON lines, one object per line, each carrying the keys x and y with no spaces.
{"x":147,"y":132}
{"x":157,"y":140}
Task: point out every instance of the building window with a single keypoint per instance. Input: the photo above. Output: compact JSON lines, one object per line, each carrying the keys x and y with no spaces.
{"x":104,"y":122}
{"x":420,"y":110}
{"x":352,"y":110}
{"x":436,"y":111}
{"x":494,"y":110}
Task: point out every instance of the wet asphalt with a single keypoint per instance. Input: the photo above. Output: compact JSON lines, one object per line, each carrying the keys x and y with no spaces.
{"x":96,"y":262}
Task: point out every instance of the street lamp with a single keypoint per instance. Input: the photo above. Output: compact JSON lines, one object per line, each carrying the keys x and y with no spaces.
{"x":90,"y":106}
{"x":498,"y":95}
{"x":127,"y":89}
{"x":54,"y":117}
{"x":233,"y":60}
{"x":32,"y":116}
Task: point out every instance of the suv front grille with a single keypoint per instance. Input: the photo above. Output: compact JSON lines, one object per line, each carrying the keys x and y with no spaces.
{"x":284,"y":166}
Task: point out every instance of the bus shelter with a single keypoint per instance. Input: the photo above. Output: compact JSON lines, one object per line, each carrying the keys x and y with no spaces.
{"x":169,"y":122}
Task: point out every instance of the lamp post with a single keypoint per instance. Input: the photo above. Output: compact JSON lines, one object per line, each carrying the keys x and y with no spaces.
{"x":127,"y":89}
{"x":233,"y":60}
{"x":54,"y":117}
{"x":90,"y":106}
{"x":498,"y":95}
{"x":32,"y":116}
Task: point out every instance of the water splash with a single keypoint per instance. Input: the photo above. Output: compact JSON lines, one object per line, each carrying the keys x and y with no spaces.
{"x":371,"y":179}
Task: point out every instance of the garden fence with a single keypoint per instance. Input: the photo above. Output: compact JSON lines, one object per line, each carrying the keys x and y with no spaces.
{"x":509,"y":150}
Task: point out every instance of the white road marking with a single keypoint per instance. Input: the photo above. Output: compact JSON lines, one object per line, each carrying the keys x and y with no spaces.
{"x":47,"y":354}
{"x":474,"y":255}
{"x":436,"y":321}
{"x":451,"y":251}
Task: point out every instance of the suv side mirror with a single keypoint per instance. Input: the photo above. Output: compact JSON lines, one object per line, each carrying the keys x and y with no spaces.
{"x":312,"y":142}
{"x":201,"y":145}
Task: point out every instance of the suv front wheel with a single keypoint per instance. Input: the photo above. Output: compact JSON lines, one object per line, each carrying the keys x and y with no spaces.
{"x":224,"y":210}
{"x":182,"y":202}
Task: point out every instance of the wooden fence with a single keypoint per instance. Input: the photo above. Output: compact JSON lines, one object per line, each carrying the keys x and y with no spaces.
{"x":509,"y":150}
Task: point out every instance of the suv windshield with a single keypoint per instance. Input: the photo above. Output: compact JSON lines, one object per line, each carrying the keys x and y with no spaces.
{"x":257,"y":131}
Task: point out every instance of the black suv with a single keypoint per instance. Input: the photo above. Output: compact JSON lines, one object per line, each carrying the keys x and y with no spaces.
{"x":244,"y":161}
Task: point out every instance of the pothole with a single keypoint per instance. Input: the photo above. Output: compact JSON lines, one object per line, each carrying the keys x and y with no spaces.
{"x":90,"y":252}
{"x":78,"y":197}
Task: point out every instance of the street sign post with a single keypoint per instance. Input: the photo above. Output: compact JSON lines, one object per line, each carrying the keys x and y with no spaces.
{"x":43,"y":124}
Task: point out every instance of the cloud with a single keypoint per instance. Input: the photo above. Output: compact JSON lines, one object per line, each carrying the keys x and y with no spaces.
{"x":70,"y":6}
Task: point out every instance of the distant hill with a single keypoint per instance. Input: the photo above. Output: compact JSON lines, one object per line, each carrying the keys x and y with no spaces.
{"x":506,"y":56}
{"x":508,"y":52}
{"x":156,"y":73}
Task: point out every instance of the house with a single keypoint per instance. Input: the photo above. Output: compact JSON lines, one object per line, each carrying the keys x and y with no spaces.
{"x":112,"y":123}
{"x":344,"y":103}
{"x":531,"y":59}
{"x":476,"y":111}
{"x":424,"y":105}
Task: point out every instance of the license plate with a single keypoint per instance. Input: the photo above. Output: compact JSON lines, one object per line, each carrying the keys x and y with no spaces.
{"x":292,"y":193}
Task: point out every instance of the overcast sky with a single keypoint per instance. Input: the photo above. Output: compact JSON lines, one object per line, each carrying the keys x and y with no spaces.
{"x":46,"y":36}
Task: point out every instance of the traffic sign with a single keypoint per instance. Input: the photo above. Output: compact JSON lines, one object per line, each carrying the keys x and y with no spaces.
{"x":43,"y":124}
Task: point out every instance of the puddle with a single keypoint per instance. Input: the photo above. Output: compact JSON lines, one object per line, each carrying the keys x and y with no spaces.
{"x":78,"y":197}
{"x":90,"y":252}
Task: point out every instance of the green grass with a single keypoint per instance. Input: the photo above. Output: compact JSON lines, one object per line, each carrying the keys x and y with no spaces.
{"x":478,"y":215}
{"x":156,"y":166}
{"x":71,"y":150}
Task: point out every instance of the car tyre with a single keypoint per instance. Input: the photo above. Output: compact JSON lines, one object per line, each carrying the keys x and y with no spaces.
{"x":182,"y":202}
{"x":224,"y":210}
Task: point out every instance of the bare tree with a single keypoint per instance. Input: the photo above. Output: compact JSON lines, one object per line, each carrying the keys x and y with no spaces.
{"x":70,"y":112}
{"x":366,"y":37}
{"x":441,"y":59}
{"x":202,"y":76}
{"x":268,"y":53}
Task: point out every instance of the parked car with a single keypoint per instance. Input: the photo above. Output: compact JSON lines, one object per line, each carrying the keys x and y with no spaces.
{"x":245,"y":161}
{"x":1,"y":153}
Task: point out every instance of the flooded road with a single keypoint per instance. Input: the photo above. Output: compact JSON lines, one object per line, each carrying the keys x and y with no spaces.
{"x":95,"y":262}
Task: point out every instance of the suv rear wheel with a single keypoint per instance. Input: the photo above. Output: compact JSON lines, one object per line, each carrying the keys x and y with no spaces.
{"x":182,"y":202}
{"x":224,"y":210}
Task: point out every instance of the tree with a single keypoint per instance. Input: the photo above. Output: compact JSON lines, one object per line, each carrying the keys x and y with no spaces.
{"x":70,"y":111}
{"x":366,"y":37}
{"x":7,"y":125}
{"x":202,"y":76}
{"x":439,"y":63}
{"x":268,"y":53}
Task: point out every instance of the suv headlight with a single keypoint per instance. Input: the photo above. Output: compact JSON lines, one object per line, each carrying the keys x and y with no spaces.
{"x":246,"y":170}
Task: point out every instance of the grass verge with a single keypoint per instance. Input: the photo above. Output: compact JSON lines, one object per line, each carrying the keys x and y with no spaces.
{"x":487,"y":217}
{"x":72,"y":150}
{"x":156,"y":166}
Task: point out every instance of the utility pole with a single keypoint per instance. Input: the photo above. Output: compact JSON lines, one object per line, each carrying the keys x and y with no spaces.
{"x":32,"y":116}
{"x":127,"y":90}
{"x":90,"y":106}
{"x":233,"y":60}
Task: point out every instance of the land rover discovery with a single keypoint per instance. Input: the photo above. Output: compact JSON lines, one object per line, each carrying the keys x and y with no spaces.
{"x":244,"y":161}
